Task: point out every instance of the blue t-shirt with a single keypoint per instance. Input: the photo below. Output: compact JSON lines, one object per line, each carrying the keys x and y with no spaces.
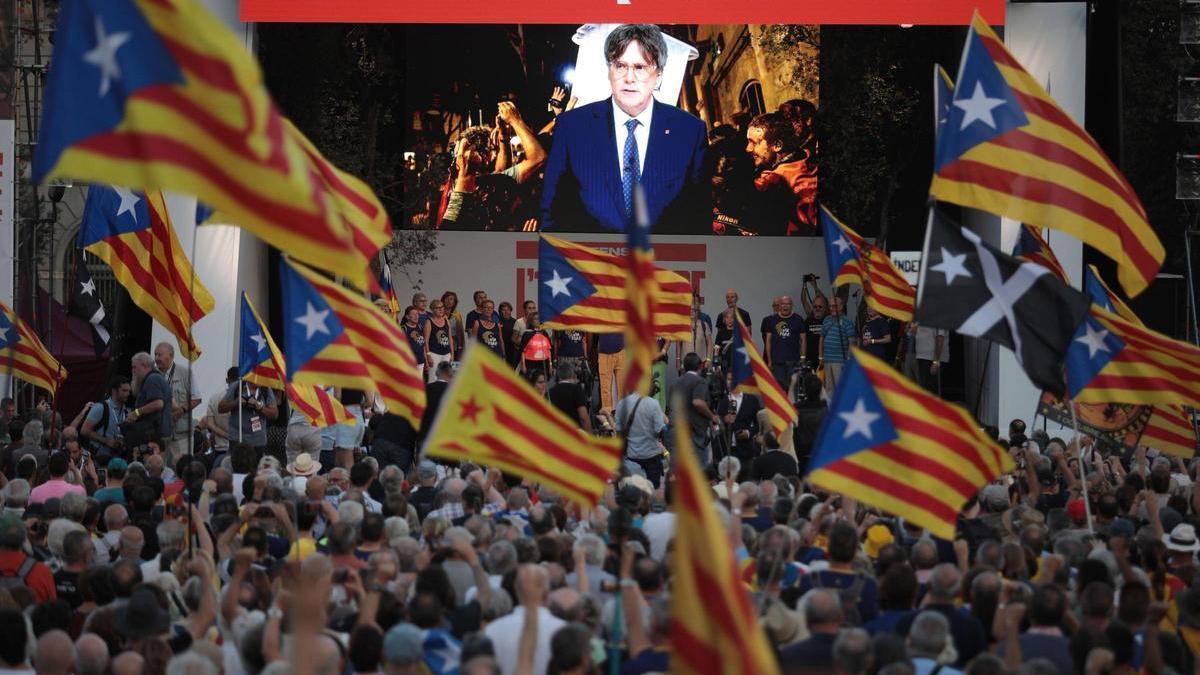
{"x":416,"y":340}
{"x":837,"y":333}
{"x":785,"y":335}
{"x":116,"y":415}
{"x":611,"y":343}
{"x":570,"y":343}
{"x":155,"y":388}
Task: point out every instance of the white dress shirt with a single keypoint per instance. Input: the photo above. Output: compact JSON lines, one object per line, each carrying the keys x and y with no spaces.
{"x":641,"y":134}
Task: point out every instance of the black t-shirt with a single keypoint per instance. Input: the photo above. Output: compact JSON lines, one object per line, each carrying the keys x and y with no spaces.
{"x":774,"y":462}
{"x":813,"y":347}
{"x":570,"y":344}
{"x":67,"y":585}
{"x":568,"y":397}
{"x":492,"y":338}
{"x":394,"y":428}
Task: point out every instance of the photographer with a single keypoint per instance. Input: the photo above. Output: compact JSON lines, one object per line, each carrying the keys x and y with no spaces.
{"x":102,"y":425}
{"x":476,"y":176}
{"x":640,"y":420}
{"x":254,"y":405}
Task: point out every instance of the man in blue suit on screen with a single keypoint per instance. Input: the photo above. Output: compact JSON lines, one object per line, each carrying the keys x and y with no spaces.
{"x":601,"y":150}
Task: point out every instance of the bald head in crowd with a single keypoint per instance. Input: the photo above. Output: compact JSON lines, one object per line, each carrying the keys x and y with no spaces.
{"x":128,"y":663}
{"x":91,"y":655}
{"x":55,"y":654}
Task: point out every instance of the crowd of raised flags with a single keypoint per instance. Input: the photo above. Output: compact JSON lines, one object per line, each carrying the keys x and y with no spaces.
{"x":175,"y":103}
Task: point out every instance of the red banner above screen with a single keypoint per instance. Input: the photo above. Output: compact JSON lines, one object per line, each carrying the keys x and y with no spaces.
{"x":864,"y":12}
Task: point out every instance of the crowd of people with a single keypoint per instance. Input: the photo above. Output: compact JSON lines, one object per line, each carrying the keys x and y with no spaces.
{"x":133,"y":540}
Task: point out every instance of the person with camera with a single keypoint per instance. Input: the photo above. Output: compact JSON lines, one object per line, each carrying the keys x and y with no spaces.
{"x":476,"y":177}
{"x":640,"y":421}
{"x":815,"y":310}
{"x":249,"y":407}
{"x":102,"y":425}
{"x":692,"y":388}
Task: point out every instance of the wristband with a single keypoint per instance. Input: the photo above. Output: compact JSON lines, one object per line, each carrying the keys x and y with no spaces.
{"x":628,"y":583}
{"x":137,"y":412}
{"x":555,"y":103}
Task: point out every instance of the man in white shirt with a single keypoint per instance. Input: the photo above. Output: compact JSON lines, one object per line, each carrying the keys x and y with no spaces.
{"x":533,"y":588}
{"x":216,"y":422}
{"x":185,"y":397}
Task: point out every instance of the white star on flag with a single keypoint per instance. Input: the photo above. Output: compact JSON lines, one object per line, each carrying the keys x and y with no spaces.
{"x":1094,"y":339}
{"x":261,"y":342}
{"x":128,"y":202}
{"x":952,"y":266}
{"x":313,"y":321}
{"x":88,"y":287}
{"x":841,"y":244}
{"x":978,"y":107}
{"x":859,"y":420}
{"x":104,"y":55}
{"x":745,"y":354}
{"x":558,"y":285}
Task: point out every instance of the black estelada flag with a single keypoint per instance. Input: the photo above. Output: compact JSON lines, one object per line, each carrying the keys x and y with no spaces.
{"x":969,"y":286}
{"x":85,"y":303}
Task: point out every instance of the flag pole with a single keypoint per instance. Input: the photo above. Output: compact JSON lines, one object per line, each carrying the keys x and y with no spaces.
{"x":1082,"y":474}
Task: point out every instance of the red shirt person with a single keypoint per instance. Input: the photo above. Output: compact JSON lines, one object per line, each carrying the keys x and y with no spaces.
{"x":17,"y":568}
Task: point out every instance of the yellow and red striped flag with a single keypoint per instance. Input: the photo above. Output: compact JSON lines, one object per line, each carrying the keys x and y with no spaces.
{"x":714,"y":628}
{"x":1169,"y":428}
{"x":1115,"y":360}
{"x":133,"y":233}
{"x":23,"y":356}
{"x":852,"y":260}
{"x":493,"y":417}
{"x":261,"y":363}
{"x":1032,"y":246}
{"x":1008,"y":148}
{"x":751,"y":375}
{"x":583,"y":288}
{"x":336,"y":337}
{"x":892,"y":445}
{"x":641,"y":287}
{"x":161,"y":95}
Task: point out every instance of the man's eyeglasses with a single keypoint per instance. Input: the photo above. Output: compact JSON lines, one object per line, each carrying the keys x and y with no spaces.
{"x":641,"y":71}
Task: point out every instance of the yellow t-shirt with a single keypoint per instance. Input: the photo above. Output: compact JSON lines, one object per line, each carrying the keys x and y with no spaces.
{"x":302,"y":548}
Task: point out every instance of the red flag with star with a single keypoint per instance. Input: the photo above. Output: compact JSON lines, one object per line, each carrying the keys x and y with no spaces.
{"x":491,"y":416}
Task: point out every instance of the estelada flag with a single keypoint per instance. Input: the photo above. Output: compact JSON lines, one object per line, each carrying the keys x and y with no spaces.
{"x":892,"y":445}
{"x":160,"y":95}
{"x":493,"y":417}
{"x":1008,"y":148}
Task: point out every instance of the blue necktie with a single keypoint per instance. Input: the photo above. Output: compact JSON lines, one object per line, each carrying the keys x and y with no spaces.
{"x":631,"y":171}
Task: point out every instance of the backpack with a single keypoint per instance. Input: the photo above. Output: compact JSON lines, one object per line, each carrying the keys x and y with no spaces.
{"x":849,"y":597}
{"x":101,"y":429}
{"x":11,"y":581}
